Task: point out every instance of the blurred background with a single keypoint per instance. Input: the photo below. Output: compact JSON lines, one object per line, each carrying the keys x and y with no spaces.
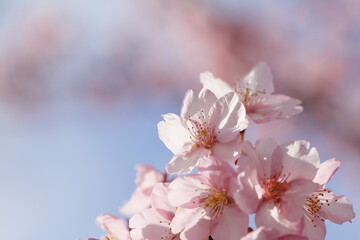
{"x":83,"y":85}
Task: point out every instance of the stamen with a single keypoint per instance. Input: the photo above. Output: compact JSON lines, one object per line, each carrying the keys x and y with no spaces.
{"x":247,"y":96}
{"x":275,"y":187}
{"x":201,"y":131}
{"x":314,"y":203}
{"x":213,"y":202}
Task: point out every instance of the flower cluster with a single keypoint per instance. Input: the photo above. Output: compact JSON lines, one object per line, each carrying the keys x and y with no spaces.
{"x":284,"y":185}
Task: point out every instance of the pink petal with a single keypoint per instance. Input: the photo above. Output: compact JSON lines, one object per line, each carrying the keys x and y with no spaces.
{"x":265,"y":108}
{"x":261,"y":157}
{"x":149,"y":225}
{"x":265,"y":147}
{"x":181,"y":164}
{"x":138,"y":202}
{"x":246,"y":196}
{"x":147,"y":176}
{"x":215,"y":85}
{"x":154,"y":231}
{"x":300,"y":150}
{"x":114,"y":226}
{"x":267,"y":159}
{"x":200,"y":230}
{"x":232,"y":117}
{"x":136,"y":234}
{"x":183,"y":190}
{"x":258,"y":79}
{"x":173,"y":134}
{"x":218,"y":174}
{"x":139,"y":220}
{"x":295,"y":197}
{"x":185,"y":219}
{"x":248,"y":157}
{"x":233,"y":222}
{"x":314,"y":230}
{"x":299,"y":161}
{"x":326,"y":171}
{"x":160,"y":202}
{"x":261,"y":233}
{"x":227,"y":152}
{"x":268,"y":216}
{"x":339,"y":210}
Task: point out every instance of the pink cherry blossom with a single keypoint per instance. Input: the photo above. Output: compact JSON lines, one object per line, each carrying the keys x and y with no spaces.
{"x":255,"y":91}
{"x":205,"y":206}
{"x":206,"y":127}
{"x":275,"y":182}
{"x":323,"y":204}
{"x":114,"y":227}
{"x":146,"y":178}
{"x":154,"y":222}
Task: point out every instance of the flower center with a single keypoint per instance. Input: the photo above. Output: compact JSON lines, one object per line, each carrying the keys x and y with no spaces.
{"x":274,"y":188}
{"x":314,"y":203}
{"x":247,"y":95}
{"x":201,"y":132}
{"x":214,"y":201}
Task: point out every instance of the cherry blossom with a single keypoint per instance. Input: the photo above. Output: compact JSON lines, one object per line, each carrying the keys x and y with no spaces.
{"x":146,"y":178}
{"x":206,"y":127}
{"x":255,"y":91}
{"x":154,"y":222}
{"x":323,"y":204}
{"x":205,"y":206}
{"x":275,"y":181}
{"x":284,"y":185}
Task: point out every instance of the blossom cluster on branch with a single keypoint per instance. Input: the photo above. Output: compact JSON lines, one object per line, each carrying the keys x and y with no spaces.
{"x":284,"y":185}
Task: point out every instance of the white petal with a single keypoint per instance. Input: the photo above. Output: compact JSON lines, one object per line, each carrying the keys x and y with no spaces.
{"x":231,"y":117}
{"x":258,"y":79}
{"x":173,"y":134}
{"x":181,"y":164}
{"x":216,"y":85}
{"x":192,"y":105}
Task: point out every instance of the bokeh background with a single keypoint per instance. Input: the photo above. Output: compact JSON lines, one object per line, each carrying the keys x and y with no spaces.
{"x":83,"y":85}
